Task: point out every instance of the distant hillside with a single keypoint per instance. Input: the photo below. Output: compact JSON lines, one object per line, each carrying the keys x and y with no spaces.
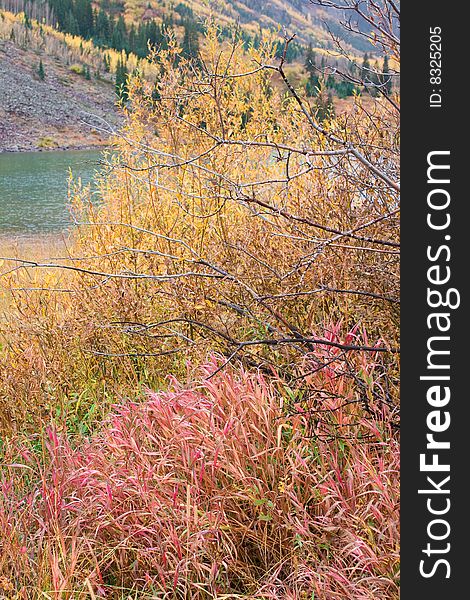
{"x":45,"y":114}
{"x":310,"y":23}
{"x":59,"y":58}
{"x":54,"y":87}
{"x":127,"y":24}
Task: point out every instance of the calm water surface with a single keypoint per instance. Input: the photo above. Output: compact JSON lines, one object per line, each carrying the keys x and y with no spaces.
{"x":33,"y":189}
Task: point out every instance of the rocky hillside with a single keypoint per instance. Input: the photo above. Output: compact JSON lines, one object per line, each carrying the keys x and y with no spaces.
{"x":80,"y":43}
{"x":54,"y":112}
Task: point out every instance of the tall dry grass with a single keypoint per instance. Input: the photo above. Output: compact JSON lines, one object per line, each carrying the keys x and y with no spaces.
{"x":217,"y":488}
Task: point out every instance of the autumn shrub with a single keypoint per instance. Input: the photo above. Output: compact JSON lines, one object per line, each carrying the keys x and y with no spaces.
{"x":231,"y":219}
{"x":228,"y":214}
{"x":229,"y":485}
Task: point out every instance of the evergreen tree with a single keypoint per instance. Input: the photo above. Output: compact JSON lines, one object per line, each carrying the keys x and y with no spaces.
{"x":83,"y":13}
{"x":311,"y":68}
{"x":365,"y":70}
{"x":102,"y":29}
{"x":119,"y":35}
{"x":121,"y":80}
{"x":376,"y":78}
{"x":154,"y":35}
{"x":330,"y":82}
{"x":40,"y":71}
{"x":71,"y":24}
{"x":290,"y":54}
{"x":310,"y":61}
{"x":344,"y":88}
{"x":138,"y":43}
{"x":313,"y":85}
{"x":62,"y":11}
{"x":190,"y":44}
{"x":162,"y":35}
{"x":132,"y":38}
{"x":386,"y":77}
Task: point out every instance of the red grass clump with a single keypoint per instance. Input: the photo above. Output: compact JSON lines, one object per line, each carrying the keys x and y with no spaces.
{"x":212,"y":489}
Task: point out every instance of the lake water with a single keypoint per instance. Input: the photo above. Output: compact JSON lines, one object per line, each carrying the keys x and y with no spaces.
{"x":33,"y":189}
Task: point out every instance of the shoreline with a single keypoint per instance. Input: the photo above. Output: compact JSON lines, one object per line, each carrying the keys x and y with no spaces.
{"x":59,"y":148}
{"x":33,"y":246}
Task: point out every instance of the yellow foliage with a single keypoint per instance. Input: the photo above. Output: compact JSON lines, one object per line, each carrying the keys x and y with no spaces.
{"x":73,"y":48}
{"x":227,"y":222}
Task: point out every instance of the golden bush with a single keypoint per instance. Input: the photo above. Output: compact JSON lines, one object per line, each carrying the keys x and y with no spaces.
{"x":230,"y":218}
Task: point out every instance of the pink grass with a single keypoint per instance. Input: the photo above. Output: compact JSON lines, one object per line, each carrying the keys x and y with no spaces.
{"x":210,"y":488}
